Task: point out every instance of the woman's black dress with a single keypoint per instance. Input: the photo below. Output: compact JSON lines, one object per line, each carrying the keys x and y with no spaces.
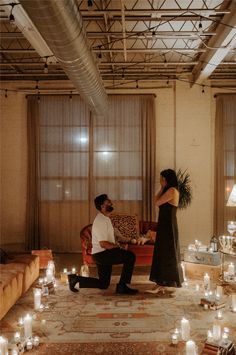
{"x":166,"y":267}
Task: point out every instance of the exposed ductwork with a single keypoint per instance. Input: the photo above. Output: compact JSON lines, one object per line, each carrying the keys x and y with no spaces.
{"x":60,"y":24}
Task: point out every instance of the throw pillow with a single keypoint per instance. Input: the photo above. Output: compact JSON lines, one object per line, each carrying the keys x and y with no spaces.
{"x":127,"y":225}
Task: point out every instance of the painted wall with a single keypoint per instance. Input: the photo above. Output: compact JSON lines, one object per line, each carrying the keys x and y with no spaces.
{"x":185,"y":139}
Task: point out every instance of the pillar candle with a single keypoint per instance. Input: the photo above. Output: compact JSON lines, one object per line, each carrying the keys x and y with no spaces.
{"x":206,"y":281}
{"x":219,"y":290}
{"x":37,"y":298}
{"x":3,"y":346}
{"x":51,"y":266}
{"x":174,"y":339}
{"x":234,"y":302}
{"x":17,"y":337}
{"x":209,"y":335}
{"x":14,"y":351}
{"x":183,"y":269}
{"x":231,"y":269}
{"x":36,"y":341}
{"x":49,"y":275}
{"x":28,"y":326}
{"x":190,"y":347}
{"x":29,"y":345}
{"x":216,"y":331}
{"x":73,"y":270}
{"x":185,"y":329}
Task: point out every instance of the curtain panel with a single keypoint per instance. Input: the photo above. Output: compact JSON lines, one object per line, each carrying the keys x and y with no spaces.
{"x":225,"y":160}
{"x":75,"y":155}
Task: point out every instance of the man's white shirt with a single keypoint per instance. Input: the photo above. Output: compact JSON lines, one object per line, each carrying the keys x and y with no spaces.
{"x":102,"y":229}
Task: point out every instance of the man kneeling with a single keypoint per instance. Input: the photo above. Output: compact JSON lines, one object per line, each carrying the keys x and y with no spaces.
{"x":106,"y":253}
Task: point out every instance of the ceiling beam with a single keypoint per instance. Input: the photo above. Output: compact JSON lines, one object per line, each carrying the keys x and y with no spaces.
{"x":155,"y":12}
{"x":218,"y":47}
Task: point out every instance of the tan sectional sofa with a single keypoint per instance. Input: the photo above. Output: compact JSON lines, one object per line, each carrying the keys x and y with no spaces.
{"x":16,"y":276}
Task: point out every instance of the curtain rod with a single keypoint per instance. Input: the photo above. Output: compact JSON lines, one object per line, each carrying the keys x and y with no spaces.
{"x":41,"y":93}
{"x":122,"y":93}
{"x":224,"y":93}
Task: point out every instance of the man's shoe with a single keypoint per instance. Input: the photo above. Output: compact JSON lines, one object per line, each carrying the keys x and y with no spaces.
{"x":73,"y":279}
{"x":123,"y":289}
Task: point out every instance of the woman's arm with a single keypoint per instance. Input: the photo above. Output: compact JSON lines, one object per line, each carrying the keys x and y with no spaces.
{"x":171,"y":196}
{"x":158,"y":195}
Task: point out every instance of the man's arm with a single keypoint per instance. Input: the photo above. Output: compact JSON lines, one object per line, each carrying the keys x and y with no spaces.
{"x":108,"y":245}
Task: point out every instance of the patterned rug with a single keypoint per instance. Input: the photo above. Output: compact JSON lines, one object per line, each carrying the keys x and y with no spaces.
{"x":101,"y":322}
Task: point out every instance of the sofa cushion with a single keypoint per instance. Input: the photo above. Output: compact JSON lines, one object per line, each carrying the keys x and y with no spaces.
{"x":10,"y":288}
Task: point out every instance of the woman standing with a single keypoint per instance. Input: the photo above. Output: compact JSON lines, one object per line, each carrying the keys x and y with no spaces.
{"x":166,"y":263}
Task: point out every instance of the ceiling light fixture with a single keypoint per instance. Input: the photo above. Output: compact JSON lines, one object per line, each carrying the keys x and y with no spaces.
{"x":11,"y":17}
{"x":200,"y":26}
{"x":45,"y":70}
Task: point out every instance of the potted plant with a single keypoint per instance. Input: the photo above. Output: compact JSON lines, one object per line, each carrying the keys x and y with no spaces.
{"x":185,"y":190}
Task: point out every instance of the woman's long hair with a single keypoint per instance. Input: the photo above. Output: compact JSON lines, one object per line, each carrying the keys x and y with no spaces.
{"x":171,"y":179}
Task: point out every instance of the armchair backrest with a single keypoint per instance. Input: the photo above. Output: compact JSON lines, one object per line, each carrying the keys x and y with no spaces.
{"x":86,"y":239}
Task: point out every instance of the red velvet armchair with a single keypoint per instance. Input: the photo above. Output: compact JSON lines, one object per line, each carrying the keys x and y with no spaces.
{"x":143,"y":252}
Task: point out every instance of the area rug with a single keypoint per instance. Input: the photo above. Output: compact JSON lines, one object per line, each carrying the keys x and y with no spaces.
{"x":100,"y":322}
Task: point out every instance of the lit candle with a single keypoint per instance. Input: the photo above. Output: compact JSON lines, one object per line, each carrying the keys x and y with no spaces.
{"x":206,"y":281}
{"x":185,"y":329}
{"x":51,"y":266}
{"x":49,"y":275}
{"x":28,"y":326}
{"x":36,"y":341}
{"x":20,"y":322}
{"x":231,"y":269}
{"x":73,"y":270}
{"x":29,"y":345}
{"x":40,"y":281}
{"x":219,"y":290}
{"x":225,"y":338}
{"x":17,"y":337}
{"x":37,"y":298}
{"x":209,"y":335}
{"x":3,"y":346}
{"x":216,"y":331}
{"x":183,"y":269}
{"x":197,"y":287}
{"x":174,"y":339}
{"x":217,"y":297}
{"x":15,"y":351}
{"x":226,"y":330}
{"x":65,"y":270}
{"x":190,"y":347}
{"x":234,"y":301}
{"x":219,"y":315}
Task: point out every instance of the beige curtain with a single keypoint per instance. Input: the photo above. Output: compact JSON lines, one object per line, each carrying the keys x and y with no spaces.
{"x":81,"y":155}
{"x":225,"y":160}
{"x":33,"y":183}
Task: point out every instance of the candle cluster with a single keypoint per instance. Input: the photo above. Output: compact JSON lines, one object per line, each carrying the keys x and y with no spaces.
{"x":65,"y":273}
{"x":230,"y":274}
{"x":20,"y":342}
{"x":24,"y":339}
{"x":184,"y":334}
{"x":217,"y":335}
